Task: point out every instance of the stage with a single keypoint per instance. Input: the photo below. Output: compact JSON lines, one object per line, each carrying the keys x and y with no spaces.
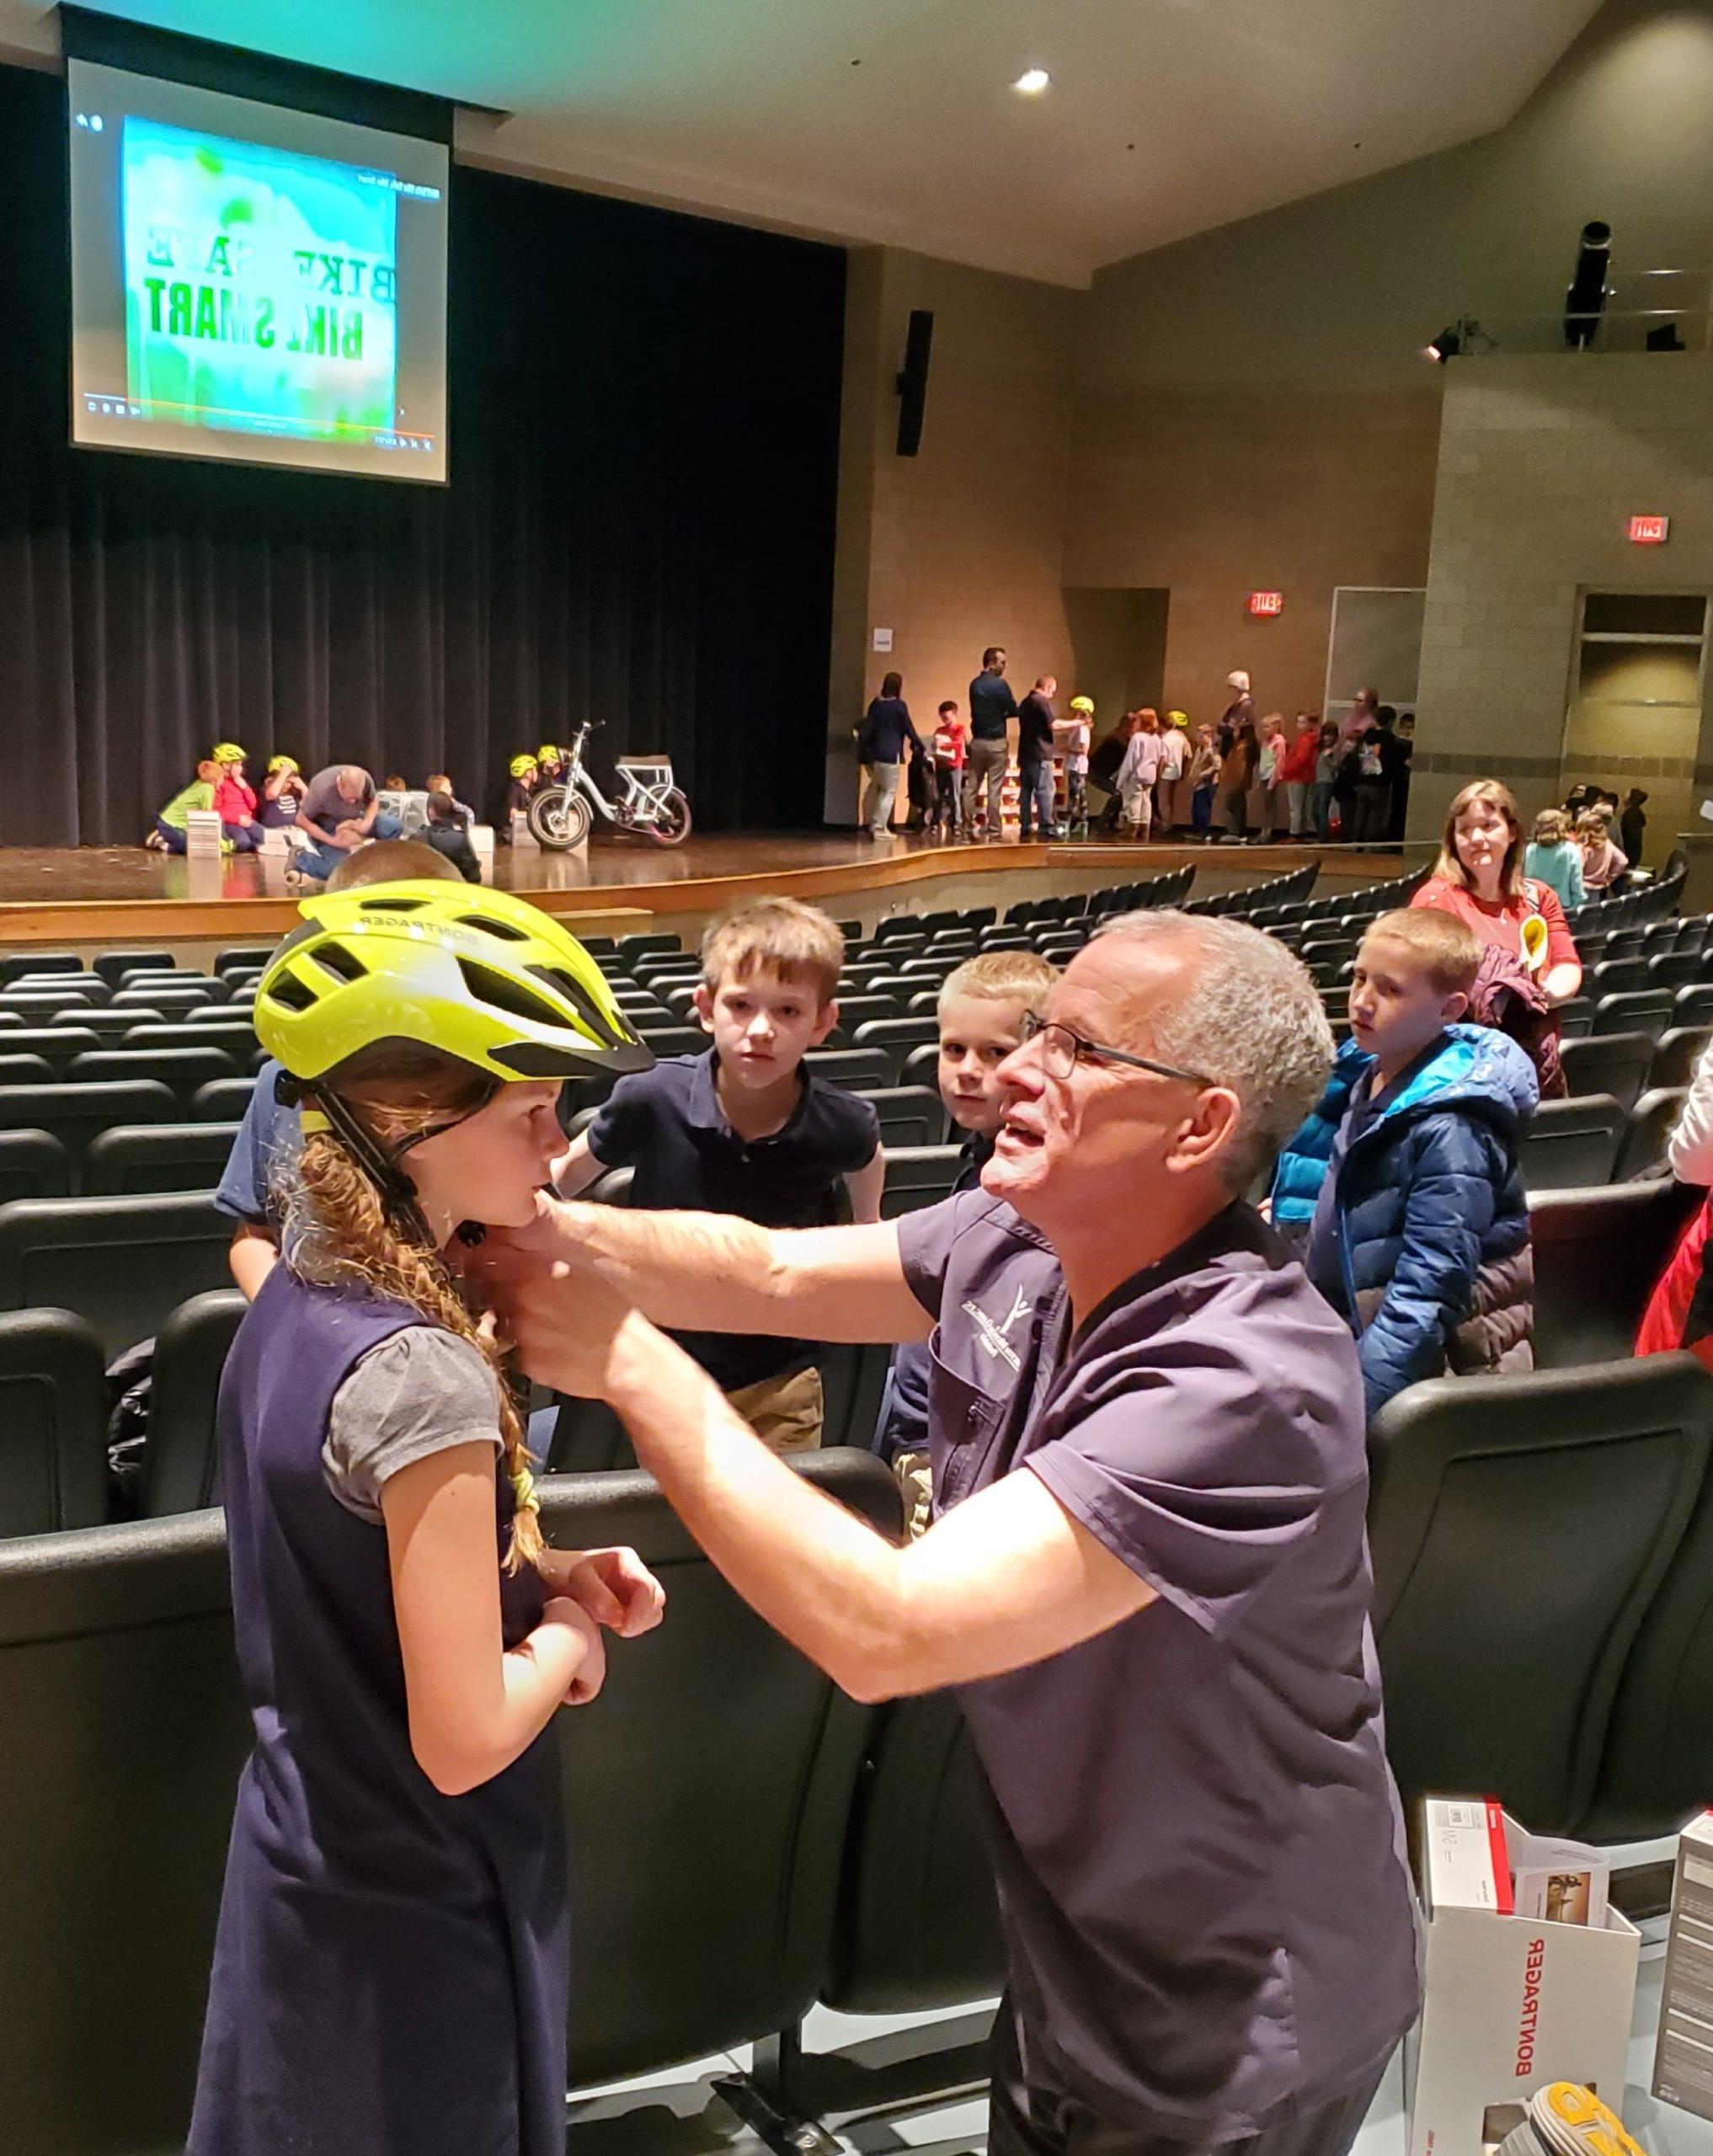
{"x":98,"y":897}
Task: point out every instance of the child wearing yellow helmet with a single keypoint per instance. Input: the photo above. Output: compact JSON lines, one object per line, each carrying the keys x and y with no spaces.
{"x":550,"y":763}
{"x":526,"y":777}
{"x":1072,"y":737}
{"x":391,"y":1958}
{"x":282,"y":794}
{"x":235,"y":800}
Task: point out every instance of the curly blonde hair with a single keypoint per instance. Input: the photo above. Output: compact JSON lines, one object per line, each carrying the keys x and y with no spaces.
{"x":340,"y":1233}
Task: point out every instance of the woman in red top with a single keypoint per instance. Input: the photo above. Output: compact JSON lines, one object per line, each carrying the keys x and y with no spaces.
{"x":1478,"y":877}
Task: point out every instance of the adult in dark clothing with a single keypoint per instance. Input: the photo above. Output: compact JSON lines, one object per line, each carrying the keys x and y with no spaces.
{"x":992,"y":707}
{"x":887,"y":736}
{"x":1405,"y":739}
{"x":1036,"y":718}
{"x":1147,"y":1572}
{"x":1239,"y":715}
{"x":1379,"y":758}
{"x":1632,"y":826}
{"x":1104,"y":764}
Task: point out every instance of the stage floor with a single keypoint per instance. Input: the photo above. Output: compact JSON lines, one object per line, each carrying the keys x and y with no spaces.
{"x":80,"y":896}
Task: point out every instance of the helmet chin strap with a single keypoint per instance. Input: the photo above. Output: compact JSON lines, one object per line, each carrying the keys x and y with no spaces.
{"x":323,"y":1109}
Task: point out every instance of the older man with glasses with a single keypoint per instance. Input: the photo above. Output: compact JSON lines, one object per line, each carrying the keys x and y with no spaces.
{"x":1147,"y":1572}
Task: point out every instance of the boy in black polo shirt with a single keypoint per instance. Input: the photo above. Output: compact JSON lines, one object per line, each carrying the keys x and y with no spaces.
{"x":745,"y":1130}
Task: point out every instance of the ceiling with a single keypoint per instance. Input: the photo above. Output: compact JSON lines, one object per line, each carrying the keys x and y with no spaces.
{"x":892,"y":120}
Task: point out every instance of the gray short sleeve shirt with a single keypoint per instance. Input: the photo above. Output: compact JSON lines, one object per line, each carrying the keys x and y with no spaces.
{"x":1198,"y":1845}
{"x":418,"y":1393}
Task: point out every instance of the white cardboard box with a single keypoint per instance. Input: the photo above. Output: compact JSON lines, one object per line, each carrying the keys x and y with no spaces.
{"x":202,"y":833}
{"x":1683,"y":2059}
{"x":1512,"y":2003}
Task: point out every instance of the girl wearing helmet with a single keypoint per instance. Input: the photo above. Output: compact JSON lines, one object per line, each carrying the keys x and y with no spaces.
{"x":390,"y":1969}
{"x":235,"y":800}
{"x":282,"y":793}
{"x":550,"y":763}
{"x":526,"y":777}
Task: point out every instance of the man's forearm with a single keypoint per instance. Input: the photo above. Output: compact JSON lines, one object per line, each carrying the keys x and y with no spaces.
{"x":820,"y":1576}
{"x":712,"y":1271}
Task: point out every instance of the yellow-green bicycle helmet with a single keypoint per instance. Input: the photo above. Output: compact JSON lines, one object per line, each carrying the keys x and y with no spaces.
{"x":227,"y":752}
{"x":1084,"y":704}
{"x":478,"y":974}
{"x":547,"y":754}
{"x":282,"y":764}
{"x":522,"y":766}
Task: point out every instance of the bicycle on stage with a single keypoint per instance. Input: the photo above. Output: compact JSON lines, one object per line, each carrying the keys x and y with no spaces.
{"x":559,"y":815}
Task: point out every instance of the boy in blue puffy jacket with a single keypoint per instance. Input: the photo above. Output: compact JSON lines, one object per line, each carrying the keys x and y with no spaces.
{"x":1420,"y":1231}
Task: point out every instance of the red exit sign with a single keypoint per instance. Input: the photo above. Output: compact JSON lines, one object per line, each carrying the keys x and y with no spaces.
{"x":1267,"y":602}
{"x":1650,"y":530}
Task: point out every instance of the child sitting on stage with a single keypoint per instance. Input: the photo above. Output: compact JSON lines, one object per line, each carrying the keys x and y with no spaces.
{"x":746,"y":1129}
{"x":235,"y":800}
{"x":282,"y":790}
{"x":448,"y":827}
{"x":171,"y":833}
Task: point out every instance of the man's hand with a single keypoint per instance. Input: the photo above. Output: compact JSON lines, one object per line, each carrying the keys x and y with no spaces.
{"x":614,"y":1587}
{"x":564,"y":1321}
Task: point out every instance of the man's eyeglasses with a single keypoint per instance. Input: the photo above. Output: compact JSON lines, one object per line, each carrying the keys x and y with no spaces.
{"x":1062,"y":1049}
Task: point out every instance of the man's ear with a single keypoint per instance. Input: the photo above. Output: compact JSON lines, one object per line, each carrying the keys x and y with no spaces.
{"x":1209,"y":1130}
{"x":702,"y":1004}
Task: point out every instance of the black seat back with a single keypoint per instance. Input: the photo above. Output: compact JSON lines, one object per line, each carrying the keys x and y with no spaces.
{"x":711,"y":1885}
{"x":33,"y":1163}
{"x":75,"y":1113}
{"x":117,"y":1656}
{"x":180,"y":1464}
{"x":1648,"y":1132}
{"x":853,"y":1068}
{"x":1597,"y":1254}
{"x":1572,"y":1145}
{"x":1675,"y":1057}
{"x":1618,"y":1063}
{"x":183,"y":1070}
{"x":53,"y":1424}
{"x":909,"y":1115}
{"x":918,"y":1176}
{"x":1519,"y":1528}
{"x":918,"y":1918}
{"x":123,"y":1263}
{"x":127,"y":1161}
{"x":1650,"y":1011}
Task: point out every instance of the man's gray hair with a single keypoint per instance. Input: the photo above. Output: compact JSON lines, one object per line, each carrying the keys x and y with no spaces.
{"x":1251,"y":1018}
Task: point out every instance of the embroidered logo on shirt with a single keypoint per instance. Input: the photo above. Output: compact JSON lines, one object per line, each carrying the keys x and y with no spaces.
{"x":993,"y":1335}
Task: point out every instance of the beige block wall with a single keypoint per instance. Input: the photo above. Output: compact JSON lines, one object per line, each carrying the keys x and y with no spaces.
{"x":961,"y":546}
{"x":1542,"y":461}
{"x":1217,"y":491}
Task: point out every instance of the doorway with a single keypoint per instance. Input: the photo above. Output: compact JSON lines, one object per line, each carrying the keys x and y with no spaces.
{"x":1633,"y":715}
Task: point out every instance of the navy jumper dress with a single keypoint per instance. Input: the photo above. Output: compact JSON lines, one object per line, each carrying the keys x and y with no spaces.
{"x":391,"y":1967}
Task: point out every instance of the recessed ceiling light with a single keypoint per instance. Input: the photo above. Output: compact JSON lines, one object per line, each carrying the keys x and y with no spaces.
{"x":1033,"y":81}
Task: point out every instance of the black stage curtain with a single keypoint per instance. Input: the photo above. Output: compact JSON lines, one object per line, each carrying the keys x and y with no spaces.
{"x":638,"y":529}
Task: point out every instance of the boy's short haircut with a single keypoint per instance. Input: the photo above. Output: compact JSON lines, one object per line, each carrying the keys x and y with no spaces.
{"x":1449,"y":950}
{"x":782,"y":936}
{"x":948,"y":705}
{"x":1002,"y":976}
{"x":392,"y":861}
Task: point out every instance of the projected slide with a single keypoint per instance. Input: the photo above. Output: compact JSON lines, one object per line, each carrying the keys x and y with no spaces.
{"x":241,"y":292}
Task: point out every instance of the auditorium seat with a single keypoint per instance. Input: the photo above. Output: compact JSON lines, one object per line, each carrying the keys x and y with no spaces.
{"x":1649,"y":1010}
{"x":224,"y":1099}
{"x":1693,"y":1006}
{"x":853,"y":1068}
{"x":612,"y":1186}
{"x":670,"y":1870}
{"x":25,"y":1070}
{"x":896,"y":1036}
{"x":117,"y":1656}
{"x":1648,"y":1131}
{"x":33,"y":1163}
{"x":1673,"y":969}
{"x":23,"y":965}
{"x":1674,"y":1059}
{"x":632,"y":948}
{"x":180,"y":1463}
{"x":856,"y":1010}
{"x":53,"y":1429}
{"x":1572,"y":1145}
{"x":1575,"y":1018}
{"x":918,"y":1922}
{"x":1618,"y":1063}
{"x":909,"y":1115}
{"x":183,"y":1070}
{"x":113,"y":965}
{"x":1519,"y":1528}
{"x":163,"y":995}
{"x":918,"y":1176}
{"x":676,"y":1040}
{"x":126,"y":1161}
{"x":74,"y":1113}
{"x":243,"y":959}
{"x":1597,"y":1254}
{"x":123,"y":1263}
{"x":232,"y":1036}
{"x":109,"y":1028}
{"x":1613,"y":976}
{"x":37,"y":1005}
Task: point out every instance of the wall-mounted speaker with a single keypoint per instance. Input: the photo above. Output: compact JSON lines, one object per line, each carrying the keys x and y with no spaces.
{"x":913,"y":380}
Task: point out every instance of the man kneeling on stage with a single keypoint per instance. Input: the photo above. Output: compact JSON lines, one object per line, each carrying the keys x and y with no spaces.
{"x":1147,"y":1571}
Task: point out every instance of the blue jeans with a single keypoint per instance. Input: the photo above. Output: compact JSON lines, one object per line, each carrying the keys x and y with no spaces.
{"x":1035,"y":793}
{"x":321,"y":861}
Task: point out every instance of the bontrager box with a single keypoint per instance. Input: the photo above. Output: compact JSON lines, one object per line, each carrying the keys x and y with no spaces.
{"x":1683,"y":2059}
{"x":1512,"y":2001}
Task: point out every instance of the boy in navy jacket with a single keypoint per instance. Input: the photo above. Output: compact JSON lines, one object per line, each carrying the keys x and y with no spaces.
{"x":1419,"y":1233}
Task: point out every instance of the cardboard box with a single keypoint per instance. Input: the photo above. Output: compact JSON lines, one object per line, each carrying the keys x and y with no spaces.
{"x":1683,"y":2059}
{"x":1512,"y":2001}
{"x":202,"y":834}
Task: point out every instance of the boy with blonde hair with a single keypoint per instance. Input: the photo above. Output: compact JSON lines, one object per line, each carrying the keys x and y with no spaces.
{"x":744,"y":1129}
{"x":1420,"y":1231}
{"x":982,"y":1007}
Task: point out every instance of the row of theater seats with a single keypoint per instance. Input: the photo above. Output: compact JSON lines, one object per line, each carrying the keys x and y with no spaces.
{"x":744,"y":1840}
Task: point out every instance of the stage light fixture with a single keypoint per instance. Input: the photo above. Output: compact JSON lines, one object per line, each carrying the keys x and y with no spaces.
{"x":1585,"y":302}
{"x":1446,"y":346}
{"x":1033,"y":81}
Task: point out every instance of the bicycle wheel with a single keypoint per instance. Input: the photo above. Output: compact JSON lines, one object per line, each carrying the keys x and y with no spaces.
{"x":673,"y":826}
{"x":558,"y":818}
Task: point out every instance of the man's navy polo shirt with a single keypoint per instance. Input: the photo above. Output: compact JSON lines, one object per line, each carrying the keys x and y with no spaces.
{"x":1198,"y":1846}
{"x":669,"y":1125}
